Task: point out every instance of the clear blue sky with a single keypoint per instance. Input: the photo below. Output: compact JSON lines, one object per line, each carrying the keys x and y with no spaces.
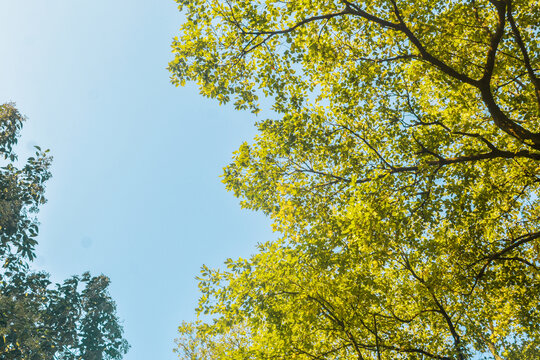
{"x":136,"y":192}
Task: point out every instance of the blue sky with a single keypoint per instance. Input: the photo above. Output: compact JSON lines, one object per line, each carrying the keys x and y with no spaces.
{"x":136,"y":192}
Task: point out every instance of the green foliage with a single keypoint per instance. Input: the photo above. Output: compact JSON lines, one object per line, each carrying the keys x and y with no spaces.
{"x":22,"y":190}
{"x":401,"y":168}
{"x":38,"y":321}
{"x":73,"y":320}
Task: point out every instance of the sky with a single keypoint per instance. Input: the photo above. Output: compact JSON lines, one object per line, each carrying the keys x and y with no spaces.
{"x":136,"y":192}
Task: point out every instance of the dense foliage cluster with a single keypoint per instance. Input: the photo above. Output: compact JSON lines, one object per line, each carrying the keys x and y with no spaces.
{"x":38,"y":320}
{"x":401,"y":166}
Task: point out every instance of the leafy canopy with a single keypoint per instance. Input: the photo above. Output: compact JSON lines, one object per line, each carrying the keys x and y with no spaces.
{"x":401,"y":166}
{"x":70,"y":321}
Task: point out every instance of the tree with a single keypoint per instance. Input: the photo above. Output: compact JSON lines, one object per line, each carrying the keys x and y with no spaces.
{"x":400,"y":164}
{"x":73,"y":320}
{"x":22,"y":189}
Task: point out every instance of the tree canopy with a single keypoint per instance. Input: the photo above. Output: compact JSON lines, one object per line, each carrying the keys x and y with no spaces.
{"x":400,"y":163}
{"x":40,"y":320}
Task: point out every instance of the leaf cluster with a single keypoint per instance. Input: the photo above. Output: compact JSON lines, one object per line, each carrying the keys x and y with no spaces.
{"x":40,"y":320}
{"x":401,"y":168}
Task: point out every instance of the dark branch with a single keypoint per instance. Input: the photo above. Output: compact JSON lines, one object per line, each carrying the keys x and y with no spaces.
{"x":427,"y":55}
{"x":441,"y":309}
{"x":521,"y":240}
{"x":356,"y":10}
{"x":297,"y":25}
{"x":440,"y":162}
{"x":523,"y":49}
{"x":524,"y":239}
{"x":494,"y":44}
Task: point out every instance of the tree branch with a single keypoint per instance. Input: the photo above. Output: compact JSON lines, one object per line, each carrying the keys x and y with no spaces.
{"x":524,"y":239}
{"x":445,"y":68}
{"x":440,"y":162}
{"x":347,"y":10}
{"x":442,"y":310}
{"x":494,"y":43}
{"x":519,"y":40}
